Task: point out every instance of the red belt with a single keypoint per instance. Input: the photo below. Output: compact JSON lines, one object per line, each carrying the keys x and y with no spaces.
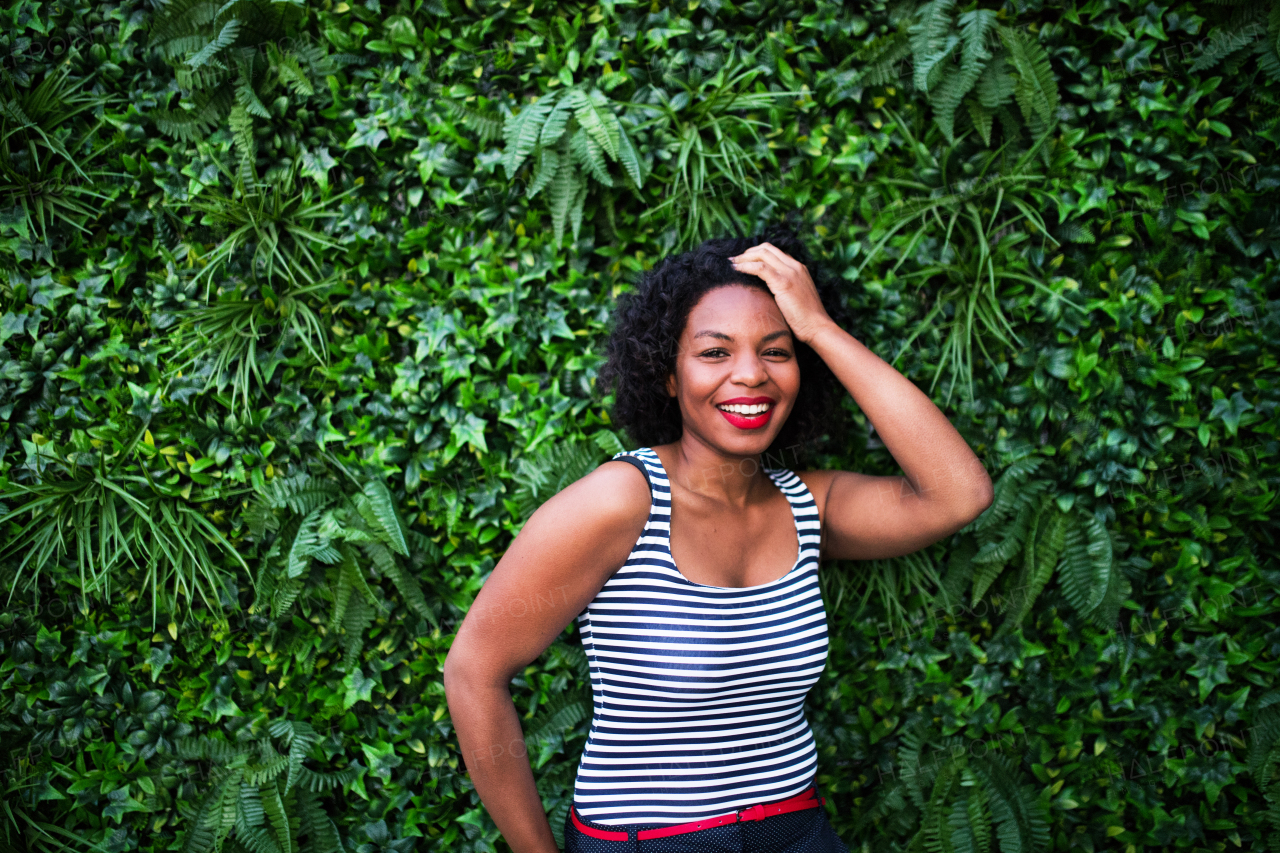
{"x":804,"y":800}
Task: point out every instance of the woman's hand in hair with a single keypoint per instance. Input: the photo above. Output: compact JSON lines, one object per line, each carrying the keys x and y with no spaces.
{"x":791,"y":285}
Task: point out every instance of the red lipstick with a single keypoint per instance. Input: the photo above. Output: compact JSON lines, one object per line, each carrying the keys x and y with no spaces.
{"x":748,"y":421}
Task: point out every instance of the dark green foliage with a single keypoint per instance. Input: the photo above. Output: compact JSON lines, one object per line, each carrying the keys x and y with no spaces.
{"x":301,"y":312}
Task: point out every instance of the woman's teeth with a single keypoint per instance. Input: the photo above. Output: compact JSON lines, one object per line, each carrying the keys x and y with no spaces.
{"x":742,"y":409}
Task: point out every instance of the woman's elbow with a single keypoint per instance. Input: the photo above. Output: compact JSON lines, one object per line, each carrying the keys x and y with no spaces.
{"x":454,"y":673}
{"x":984,"y":497}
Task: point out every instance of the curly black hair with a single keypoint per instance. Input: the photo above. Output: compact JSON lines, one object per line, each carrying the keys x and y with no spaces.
{"x":649,"y":321}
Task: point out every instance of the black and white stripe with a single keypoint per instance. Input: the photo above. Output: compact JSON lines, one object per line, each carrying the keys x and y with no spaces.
{"x":699,"y":690}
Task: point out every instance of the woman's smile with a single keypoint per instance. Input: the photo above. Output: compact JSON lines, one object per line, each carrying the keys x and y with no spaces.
{"x":748,"y":412}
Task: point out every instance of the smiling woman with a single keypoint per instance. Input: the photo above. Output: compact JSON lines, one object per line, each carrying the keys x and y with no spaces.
{"x":694,"y":579}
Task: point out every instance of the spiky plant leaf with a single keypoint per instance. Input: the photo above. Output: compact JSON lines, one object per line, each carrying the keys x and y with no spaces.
{"x":548,"y":470}
{"x":880,"y":59}
{"x":383,"y":516}
{"x":1036,"y":90}
{"x":1264,"y":750}
{"x":1021,"y":820}
{"x":931,"y":39}
{"x":975,"y":28}
{"x":595,"y":114}
{"x":226,"y":37}
{"x":548,"y":166}
{"x":522,"y":131}
{"x":588,"y":153}
{"x":315,"y":825}
{"x":274,"y":807}
{"x":981,"y":118}
{"x":557,"y":120}
{"x":562,"y":194}
{"x":1044,"y":547}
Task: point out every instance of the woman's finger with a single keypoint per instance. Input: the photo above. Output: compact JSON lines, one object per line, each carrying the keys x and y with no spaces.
{"x":779,"y":256}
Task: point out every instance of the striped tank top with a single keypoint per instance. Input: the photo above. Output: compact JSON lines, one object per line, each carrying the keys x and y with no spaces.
{"x":698,"y":691}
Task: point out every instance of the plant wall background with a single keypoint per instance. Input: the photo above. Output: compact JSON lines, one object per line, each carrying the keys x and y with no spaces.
{"x":301,"y":307}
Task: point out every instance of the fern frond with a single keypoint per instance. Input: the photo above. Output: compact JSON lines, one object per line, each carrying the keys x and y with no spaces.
{"x":299,"y":737}
{"x":200,"y":122}
{"x":548,"y":470}
{"x":1036,"y":90}
{"x":380,"y":514}
{"x":286,"y":593}
{"x":271,"y":766}
{"x":931,"y":39}
{"x":934,"y":826}
{"x":522,"y":130}
{"x":881,"y":59}
{"x":404,"y":582}
{"x":250,"y":806}
{"x":1083,"y":580}
{"x":975,"y":28}
{"x":594,"y":112}
{"x":632,"y":164}
{"x":607,"y":440}
{"x":1264,"y":750}
{"x":548,"y":166}
{"x":300,"y":492}
{"x":1007,"y":488}
{"x":1015,"y":532}
{"x":959,"y":573}
{"x":982,"y":120}
{"x":1021,"y":820}
{"x":305,"y":543}
{"x":995,"y":85}
{"x":1043,"y":549}
{"x":315,"y":826}
{"x":225,"y":38}
{"x":587,"y":152}
{"x":1238,"y":34}
{"x":912,"y":774}
{"x":562,"y":191}
{"x":356,"y":621}
{"x":486,"y":125}
{"x":561,"y":711}
{"x":290,"y":74}
{"x":274,"y":807}
{"x":577,"y":206}
{"x":557,"y":120}
{"x":311,"y":780}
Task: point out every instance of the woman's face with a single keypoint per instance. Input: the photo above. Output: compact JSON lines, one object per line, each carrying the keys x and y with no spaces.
{"x":736,"y":375}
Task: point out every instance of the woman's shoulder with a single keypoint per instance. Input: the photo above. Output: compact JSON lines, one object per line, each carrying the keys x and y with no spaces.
{"x":818,"y":483}
{"x":614,"y":495}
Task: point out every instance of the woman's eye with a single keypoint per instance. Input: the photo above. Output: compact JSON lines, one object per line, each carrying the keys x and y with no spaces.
{"x":714,"y":353}
{"x":781,"y":352}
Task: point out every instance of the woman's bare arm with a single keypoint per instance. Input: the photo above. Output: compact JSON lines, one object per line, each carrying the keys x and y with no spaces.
{"x":554,"y":568}
{"x":944,"y":488}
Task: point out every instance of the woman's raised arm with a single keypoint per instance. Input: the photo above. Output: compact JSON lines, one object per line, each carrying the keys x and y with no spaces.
{"x":562,"y":557}
{"x":864,"y":517}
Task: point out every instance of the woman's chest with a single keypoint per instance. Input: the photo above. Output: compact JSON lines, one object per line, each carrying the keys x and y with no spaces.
{"x":733,"y":550}
{"x":646,"y":629}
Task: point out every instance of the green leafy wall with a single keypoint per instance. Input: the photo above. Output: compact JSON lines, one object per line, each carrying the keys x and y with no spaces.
{"x":301,"y":310}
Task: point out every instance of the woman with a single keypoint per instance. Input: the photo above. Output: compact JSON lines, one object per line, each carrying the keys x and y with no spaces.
{"x":699,"y":673}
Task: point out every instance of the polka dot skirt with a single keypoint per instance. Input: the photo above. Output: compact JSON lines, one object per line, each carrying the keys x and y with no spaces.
{"x":806,"y":831}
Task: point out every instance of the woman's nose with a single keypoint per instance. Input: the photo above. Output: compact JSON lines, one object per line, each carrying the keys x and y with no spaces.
{"x":749,"y":369}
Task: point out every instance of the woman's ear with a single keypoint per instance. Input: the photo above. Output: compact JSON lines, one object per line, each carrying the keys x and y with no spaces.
{"x":671,"y":385}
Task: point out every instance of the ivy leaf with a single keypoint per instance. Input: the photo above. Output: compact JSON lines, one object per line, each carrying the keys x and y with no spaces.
{"x":382,"y":758}
{"x":359,"y":688}
{"x":316,"y":165}
{"x":367,"y":134}
{"x":1211,"y":664}
{"x":1230,"y":411}
{"x":145,"y":403}
{"x":470,"y":430}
